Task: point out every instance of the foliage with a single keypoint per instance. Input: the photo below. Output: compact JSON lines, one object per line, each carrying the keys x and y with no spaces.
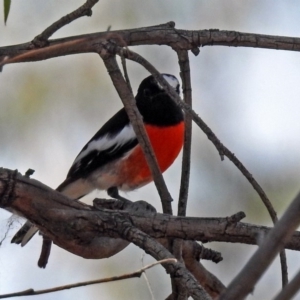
{"x":6,"y":9}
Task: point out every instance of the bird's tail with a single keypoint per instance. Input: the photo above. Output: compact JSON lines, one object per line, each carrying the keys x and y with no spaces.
{"x":24,"y":235}
{"x":72,"y":189}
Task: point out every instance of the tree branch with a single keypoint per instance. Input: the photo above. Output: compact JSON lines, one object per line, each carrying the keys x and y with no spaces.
{"x":51,"y":211}
{"x":41,"y":40}
{"x":244,"y":282}
{"x":183,"y":59}
{"x":137,"y":273}
{"x":164,"y":34}
{"x":80,"y":228}
{"x":177,"y":244}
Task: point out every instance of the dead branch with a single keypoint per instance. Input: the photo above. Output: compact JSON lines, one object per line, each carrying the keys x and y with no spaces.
{"x":41,"y":40}
{"x":184,"y":63}
{"x":243,"y":283}
{"x":135,"y":274}
{"x":164,"y":34}
{"x":71,"y":224}
{"x":83,"y":235}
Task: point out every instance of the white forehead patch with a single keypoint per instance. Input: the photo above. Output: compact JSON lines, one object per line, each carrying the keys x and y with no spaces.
{"x":104,"y":142}
{"x":172,"y":81}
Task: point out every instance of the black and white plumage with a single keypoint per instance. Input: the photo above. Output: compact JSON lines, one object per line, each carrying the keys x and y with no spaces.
{"x":116,"y":139}
{"x":101,"y":164}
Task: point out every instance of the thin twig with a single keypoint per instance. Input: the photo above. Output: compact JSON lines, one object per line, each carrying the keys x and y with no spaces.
{"x":146,"y":278}
{"x":155,"y":249}
{"x":137,"y":273}
{"x":123,"y":61}
{"x":183,"y":59}
{"x":41,"y":40}
{"x":244,"y":282}
{"x":45,"y":252}
{"x":138,"y":126}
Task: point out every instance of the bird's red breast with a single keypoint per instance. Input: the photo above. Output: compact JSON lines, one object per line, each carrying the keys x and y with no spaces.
{"x":166,"y":142}
{"x":113,"y":157}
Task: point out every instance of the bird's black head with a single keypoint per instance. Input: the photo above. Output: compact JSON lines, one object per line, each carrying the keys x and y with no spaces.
{"x":155,"y":105}
{"x":149,"y":86}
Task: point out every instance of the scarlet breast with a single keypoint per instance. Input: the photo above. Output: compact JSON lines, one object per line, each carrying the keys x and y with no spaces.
{"x":166,"y":142}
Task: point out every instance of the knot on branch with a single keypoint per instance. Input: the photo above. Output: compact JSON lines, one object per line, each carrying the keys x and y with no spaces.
{"x":39,"y":42}
{"x":7,"y":180}
{"x":113,"y":45}
{"x":87,"y":12}
{"x":236,"y":218}
{"x":210,"y":254}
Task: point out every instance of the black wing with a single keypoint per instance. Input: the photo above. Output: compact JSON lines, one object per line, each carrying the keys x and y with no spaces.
{"x":114,"y":139}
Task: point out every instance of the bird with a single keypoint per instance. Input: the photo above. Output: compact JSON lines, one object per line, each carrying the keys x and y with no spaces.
{"x":113,"y":160}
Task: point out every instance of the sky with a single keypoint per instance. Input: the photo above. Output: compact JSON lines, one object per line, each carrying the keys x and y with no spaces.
{"x":248,"y":97}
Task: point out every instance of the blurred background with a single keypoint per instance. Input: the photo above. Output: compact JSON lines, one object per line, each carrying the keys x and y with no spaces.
{"x":249,"y":98}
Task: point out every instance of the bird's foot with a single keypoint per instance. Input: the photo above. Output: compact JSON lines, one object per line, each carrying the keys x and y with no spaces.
{"x":114,"y":193}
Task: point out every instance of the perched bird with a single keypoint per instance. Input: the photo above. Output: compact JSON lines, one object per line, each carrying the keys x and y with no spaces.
{"x":113,"y":160}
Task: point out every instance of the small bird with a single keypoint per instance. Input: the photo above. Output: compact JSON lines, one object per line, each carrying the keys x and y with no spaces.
{"x":113,"y":160}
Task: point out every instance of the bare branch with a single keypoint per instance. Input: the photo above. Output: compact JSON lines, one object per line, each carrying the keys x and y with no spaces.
{"x":244,"y":282}
{"x":79,"y":232}
{"x":137,"y":273}
{"x":76,"y":227}
{"x":179,"y":292}
{"x":164,"y":34}
{"x":211,"y":284}
{"x":45,"y":252}
{"x":51,"y":211}
{"x":123,"y":61}
{"x":176,"y":270}
{"x":183,"y":59}
{"x":41,"y":40}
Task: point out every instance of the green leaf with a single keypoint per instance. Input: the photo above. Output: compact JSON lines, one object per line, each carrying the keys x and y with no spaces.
{"x":6,"y":9}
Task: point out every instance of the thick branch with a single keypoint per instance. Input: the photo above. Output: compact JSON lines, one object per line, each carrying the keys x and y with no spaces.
{"x":75,"y":226}
{"x":71,"y":228}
